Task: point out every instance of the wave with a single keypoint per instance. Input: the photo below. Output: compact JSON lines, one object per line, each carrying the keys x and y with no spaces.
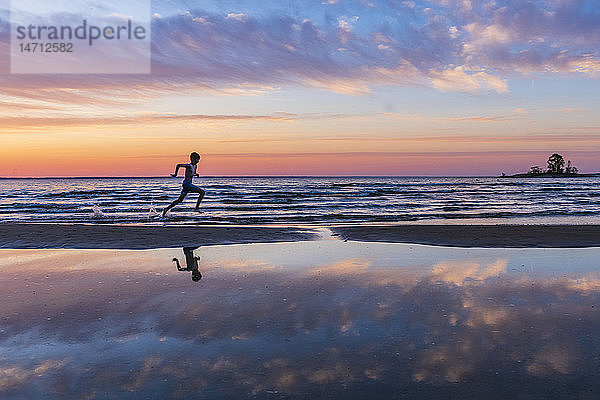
{"x":297,"y":200}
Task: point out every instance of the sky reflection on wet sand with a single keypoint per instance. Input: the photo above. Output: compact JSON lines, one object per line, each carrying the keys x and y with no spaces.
{"x":301,"y":320}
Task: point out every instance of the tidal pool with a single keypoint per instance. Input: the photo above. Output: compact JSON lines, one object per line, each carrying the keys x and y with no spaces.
{"x":307,"y":320}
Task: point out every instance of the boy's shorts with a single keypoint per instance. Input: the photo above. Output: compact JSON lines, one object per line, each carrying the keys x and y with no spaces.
{"x":188,"y":187}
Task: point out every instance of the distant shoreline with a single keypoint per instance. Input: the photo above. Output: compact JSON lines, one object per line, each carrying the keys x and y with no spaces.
{"x":524,"y":175}
{"x":552,"y":176}
{"x":83,"y":236}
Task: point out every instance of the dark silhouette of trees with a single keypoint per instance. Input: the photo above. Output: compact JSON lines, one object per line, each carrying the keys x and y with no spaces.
{"x":571,"y":170}
{"x":535,"y":170}
{"x":556,"y":164}
{"x":556,"y":168}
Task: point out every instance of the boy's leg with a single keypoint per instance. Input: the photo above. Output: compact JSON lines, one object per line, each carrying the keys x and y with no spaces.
{"x":173,"y":204}
{"x":200,"y":197}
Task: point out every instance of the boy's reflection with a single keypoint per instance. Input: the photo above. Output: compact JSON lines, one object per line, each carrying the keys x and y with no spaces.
{"x":191,"y":262}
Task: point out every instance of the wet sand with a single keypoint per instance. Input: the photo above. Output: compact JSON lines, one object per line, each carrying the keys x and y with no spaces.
{"x":80,"y":236}
{"x":304,"y":320}
{"x":477,"y":235}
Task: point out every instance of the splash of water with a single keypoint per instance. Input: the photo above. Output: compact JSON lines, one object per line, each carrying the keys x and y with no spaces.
{"x":152,"y":213}
{"x":97,"y":212}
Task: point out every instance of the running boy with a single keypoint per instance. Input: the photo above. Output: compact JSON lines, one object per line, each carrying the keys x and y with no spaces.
{"x":187,"y":185}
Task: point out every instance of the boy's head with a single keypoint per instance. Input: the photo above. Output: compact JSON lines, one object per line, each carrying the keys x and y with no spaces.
{"x":196,"y":275}
{"x":194,"y":158}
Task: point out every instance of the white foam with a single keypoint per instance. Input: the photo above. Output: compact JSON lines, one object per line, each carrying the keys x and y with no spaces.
{"x":97,"y":212}
{"x":152,"y":213}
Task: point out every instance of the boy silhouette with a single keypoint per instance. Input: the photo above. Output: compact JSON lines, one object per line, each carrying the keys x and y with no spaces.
{"x":187,"y":185}
{"x":191,"y":263}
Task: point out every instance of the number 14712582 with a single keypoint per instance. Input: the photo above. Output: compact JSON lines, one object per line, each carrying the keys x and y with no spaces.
{"x":35,"y":47}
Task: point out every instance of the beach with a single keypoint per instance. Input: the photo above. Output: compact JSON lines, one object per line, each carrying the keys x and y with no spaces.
{"x":298,"y":200}
{"x":85,"y":236}
{"x":88,"y":236}
{"x":279,"y":295}
{"x":477,"y":235}
{"x":415,"y":310}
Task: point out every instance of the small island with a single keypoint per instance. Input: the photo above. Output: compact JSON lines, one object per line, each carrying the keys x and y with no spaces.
{"x":556,"y":169}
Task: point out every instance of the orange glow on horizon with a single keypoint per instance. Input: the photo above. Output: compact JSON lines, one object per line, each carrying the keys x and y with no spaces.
{"x":325,"y":164}
{"x":379,"y":144}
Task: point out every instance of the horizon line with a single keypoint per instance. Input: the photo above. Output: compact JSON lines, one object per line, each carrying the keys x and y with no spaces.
{"x":249,"y":176}
{"x":271,"y":176}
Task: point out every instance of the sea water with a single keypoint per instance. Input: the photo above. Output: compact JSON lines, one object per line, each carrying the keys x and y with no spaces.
{"x":304,"y":200}
{"x":305,"y":320}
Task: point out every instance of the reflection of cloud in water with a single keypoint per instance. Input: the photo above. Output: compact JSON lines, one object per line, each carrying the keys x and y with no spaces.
{"x":11,"y":377}
{"x":344,"y":328}
{"x":586,"y":284}
{"x":552,"y":360}
{"x":353,"y":265}
{"x":458,"y":272}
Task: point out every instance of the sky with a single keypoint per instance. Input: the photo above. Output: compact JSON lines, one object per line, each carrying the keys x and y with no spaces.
{"x":321,"y":87}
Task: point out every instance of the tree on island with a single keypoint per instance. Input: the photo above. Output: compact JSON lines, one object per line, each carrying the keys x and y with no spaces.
{"x":556,"y":168}
{"x":535,"y":170}
{"x":571,"y":170}
{"x":556,"y":164}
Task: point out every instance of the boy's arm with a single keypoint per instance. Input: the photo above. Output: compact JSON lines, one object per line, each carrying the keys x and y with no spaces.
{"x":177,"y":169}
{"x":179,"y":268}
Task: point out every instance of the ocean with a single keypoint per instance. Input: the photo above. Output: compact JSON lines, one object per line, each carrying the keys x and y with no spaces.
{"x":303,"y":200}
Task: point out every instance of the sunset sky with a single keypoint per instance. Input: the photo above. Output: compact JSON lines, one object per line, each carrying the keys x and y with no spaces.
{"x":322,"y":87}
